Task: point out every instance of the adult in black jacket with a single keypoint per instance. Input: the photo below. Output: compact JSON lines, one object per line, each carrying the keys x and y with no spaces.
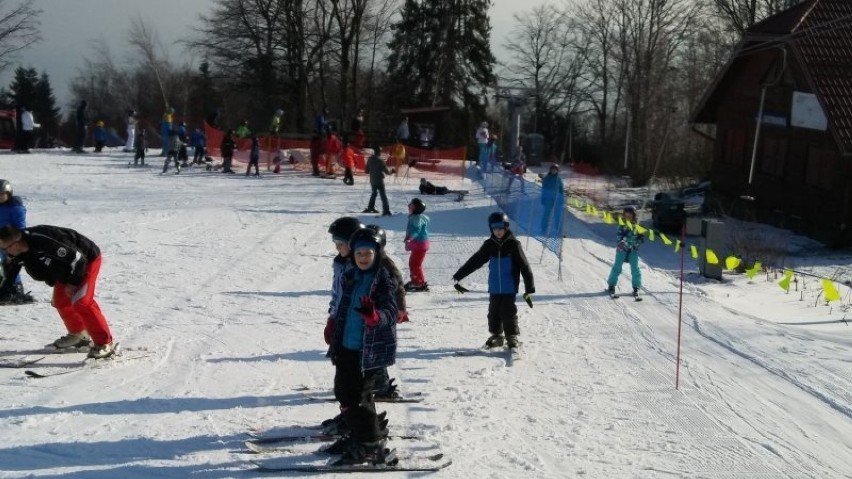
{"x":70,"y":262}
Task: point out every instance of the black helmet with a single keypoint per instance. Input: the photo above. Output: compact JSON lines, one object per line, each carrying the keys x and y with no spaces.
{"x":381,"y":232}
{"x":6,"y":187}
{"x":419,"y":206}
{"x":498,"y":217}
{"x":342,"y":228}
{"x":366,"y":235}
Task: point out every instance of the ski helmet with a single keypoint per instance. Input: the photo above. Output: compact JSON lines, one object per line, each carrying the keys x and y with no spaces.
{"x":498,"y":217}
{"x":381,"y":232}
{"x":341,"y":229}
{"x":366,"y":237}
{"x":6,"y":187}
{"x":419,"y":206}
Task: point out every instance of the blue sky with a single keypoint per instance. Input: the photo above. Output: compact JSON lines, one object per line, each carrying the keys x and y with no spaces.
{"x":70,"y":27}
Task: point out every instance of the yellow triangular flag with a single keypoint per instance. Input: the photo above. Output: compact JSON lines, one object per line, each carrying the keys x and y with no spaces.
{"x":831,"y":293}
{"x":694,"y":251}
{"x":754,"y":270}
{"x":711,"y":257}
{"x":641,"y":229}
{"x":651,"y":235}
{"x":677,"y":246}
{"x":785,"y":281}
{"x":594,"y":211}
{"x":620,"y":221}
{"x":666,"y":240}
{"x":608,"y":218}
{"x":731,"y":262}
{"x":589,"y":209}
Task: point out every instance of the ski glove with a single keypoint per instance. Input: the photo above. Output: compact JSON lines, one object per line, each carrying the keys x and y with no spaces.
{"x":528,"y":299}
{"x":368,"y":312}
{"x":329,"y":330}
{"x":461,"y":289}
{"x":402,"y":317}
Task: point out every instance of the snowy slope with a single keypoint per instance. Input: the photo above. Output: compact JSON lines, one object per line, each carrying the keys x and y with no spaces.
{"x":226,"y":279}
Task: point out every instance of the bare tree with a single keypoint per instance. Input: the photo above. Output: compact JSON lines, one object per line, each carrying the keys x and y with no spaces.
{"x":151,"y":53}
{"x":19,"y":28}
{"x":544,"y":59}
{"x":740,"y":15}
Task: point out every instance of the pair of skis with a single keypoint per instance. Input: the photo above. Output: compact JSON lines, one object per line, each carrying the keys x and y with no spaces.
{"x":512,"y":354}
{"x":396,"y":460}
{"x":635,"y":295}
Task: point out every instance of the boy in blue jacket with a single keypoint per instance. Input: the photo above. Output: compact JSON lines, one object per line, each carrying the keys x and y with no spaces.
{"x":363,"y":340}
{"x":506,"y":264}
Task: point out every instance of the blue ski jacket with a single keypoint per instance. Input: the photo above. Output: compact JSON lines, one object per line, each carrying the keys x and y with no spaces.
{"x":506,"y":264}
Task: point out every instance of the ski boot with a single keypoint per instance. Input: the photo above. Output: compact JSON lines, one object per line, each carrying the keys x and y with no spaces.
{"x":72,"y":342}
{"x":101,"y":351}
{"x":495,"y":341}
{"x":372,"y":453}
{"x":512,"y":342}
{"x":389,"y":392}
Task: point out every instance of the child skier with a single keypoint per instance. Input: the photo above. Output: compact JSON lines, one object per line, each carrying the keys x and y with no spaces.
{"x":199,"y":141}
{"x":627,"y":251}
{"x":506,"y":264}
{"x":172,"y":151}
{"x":384,"y":387}
{"x":347,"y":157}
{"x":227,"y":148}
{"x":254,"y":156}
{"x":363,"y":340}
{"x":417,"y":242}
{"x":100,"y":136}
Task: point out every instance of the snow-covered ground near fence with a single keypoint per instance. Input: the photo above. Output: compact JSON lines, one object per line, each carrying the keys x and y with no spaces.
{"x":226,"y":279}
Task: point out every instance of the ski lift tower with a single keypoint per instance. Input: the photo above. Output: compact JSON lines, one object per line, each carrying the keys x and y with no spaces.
{"x":517,"y":98}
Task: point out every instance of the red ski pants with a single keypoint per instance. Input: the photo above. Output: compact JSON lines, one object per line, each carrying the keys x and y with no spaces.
{"x":79,"y":310}
{"x":415,"y":261}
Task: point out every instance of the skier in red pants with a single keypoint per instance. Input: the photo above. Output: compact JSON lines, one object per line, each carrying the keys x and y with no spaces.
{"x":417,"y":242}
{"x":70,"y":262}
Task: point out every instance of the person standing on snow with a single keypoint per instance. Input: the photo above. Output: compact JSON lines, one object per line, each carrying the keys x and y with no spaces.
{"x":377,"y":169}
{"x":254,"y":156}
{"x":166,"y":127}
{"x":417,"y":242}
{"x":347,"y":157}
{"x":482,"y":136}
{"x":199,"y":142}
{"x":131,"y":131}
{"x":14,"y":213}
{"x":627,"y":251}
{"x":506,"y":264}
{"x":70,"y":262}
{"x":363,"y":340}
{"x":82,"y":120}
{"x":100,"y":136}
{"x":173,"y":149}
{"x":28,"y":124}
{"x":552,"y":193}
{"x":227,"y":148}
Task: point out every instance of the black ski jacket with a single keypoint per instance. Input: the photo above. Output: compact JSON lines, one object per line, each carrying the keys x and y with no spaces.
{"x":55,"y":255}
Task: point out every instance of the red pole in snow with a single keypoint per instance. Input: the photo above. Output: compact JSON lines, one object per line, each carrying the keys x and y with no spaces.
{"x":680,"y":303}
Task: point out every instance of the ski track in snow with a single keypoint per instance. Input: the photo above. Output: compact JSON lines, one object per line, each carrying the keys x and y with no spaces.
{"x":226,"y":279}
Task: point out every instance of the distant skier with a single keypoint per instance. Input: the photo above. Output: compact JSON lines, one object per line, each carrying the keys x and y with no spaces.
{"x":254,"y":156}
{"x":417,"y":242}
{"x":131,"y":131}
{"x":627,"y":251}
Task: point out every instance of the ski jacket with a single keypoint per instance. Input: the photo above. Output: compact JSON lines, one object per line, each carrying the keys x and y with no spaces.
{"x":332,"y":145}
{"x":100,"y":134}
{"x":377,"y":169}
{"x":55,"y":255}
{"x":629,"y":239}
{"x":198,"y":139}
{"x":243,"y":131}
{"x":174,"y":143}
{"x":551,"y":188}
{"x":506,"y":264}
{"x":339,"y":267}
{"x":13,"y":212}
{"x":428,"y":188}
{"x":378,"y":344}
{"x":27,"y":121}
{"x":417,"y":228}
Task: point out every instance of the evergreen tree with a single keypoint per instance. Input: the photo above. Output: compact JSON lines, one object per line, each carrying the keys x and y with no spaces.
{"x":34,"y":92}
{"x":440,"y":54}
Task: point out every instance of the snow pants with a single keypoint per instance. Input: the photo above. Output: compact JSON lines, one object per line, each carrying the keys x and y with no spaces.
{"x":378,"y":189}
{"x":503,"y":314}
{"x":80,"y":311}
{"x":622,"y":256}
{"x":415,"y":261}
{"x":131,"y":135}
{"x":353,"y":389}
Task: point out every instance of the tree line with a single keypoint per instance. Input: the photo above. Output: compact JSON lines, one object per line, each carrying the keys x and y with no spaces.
{"x":610,"y":82}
